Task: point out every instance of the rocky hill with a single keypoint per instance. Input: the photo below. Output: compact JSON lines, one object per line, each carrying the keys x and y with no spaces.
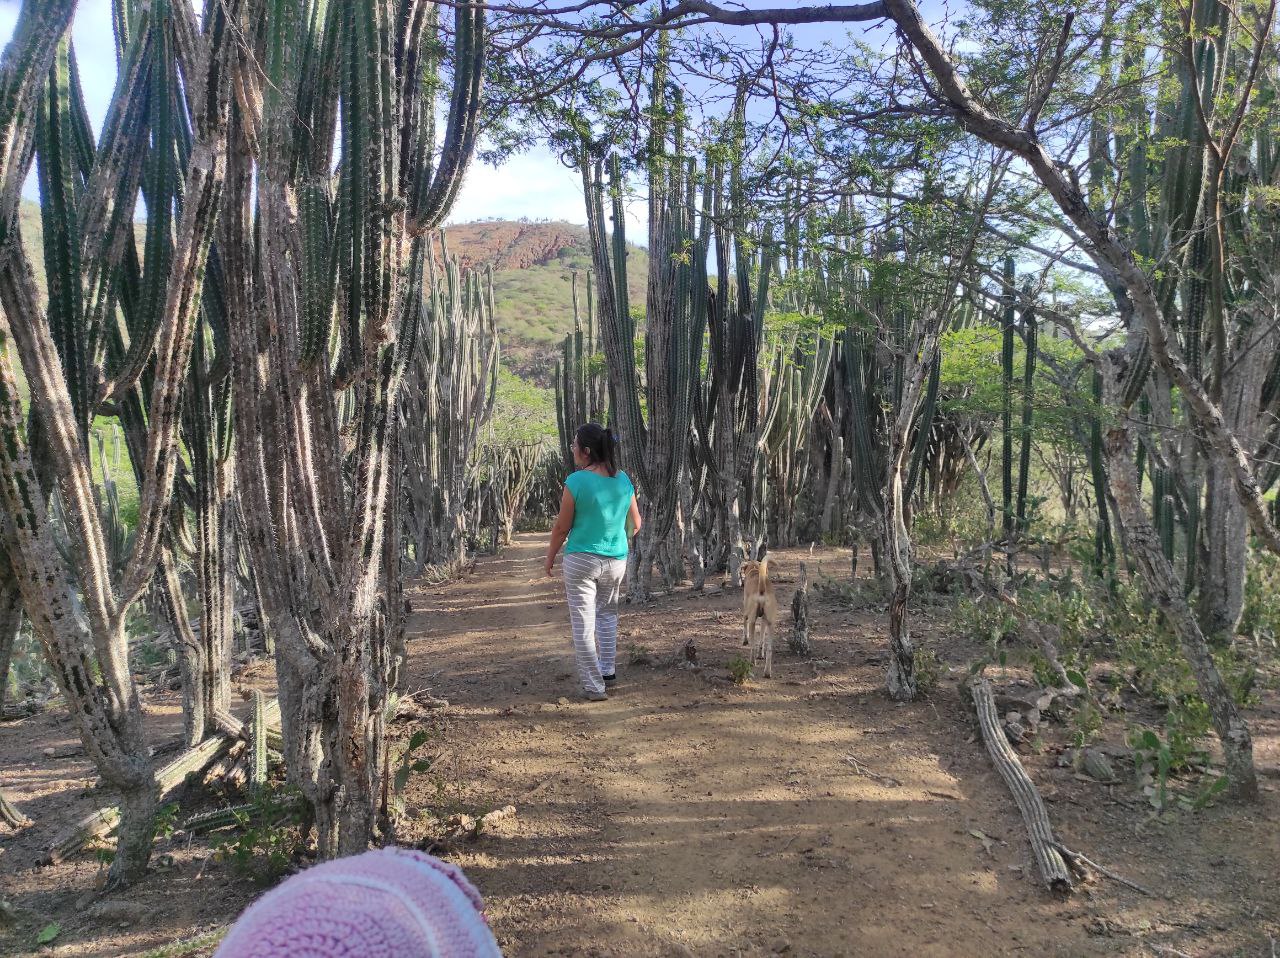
{"x":533,"y":268}
{"x":510,"y":244}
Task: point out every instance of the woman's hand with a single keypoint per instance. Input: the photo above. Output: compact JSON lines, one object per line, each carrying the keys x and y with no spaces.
{"x":634,"y":522}
{"x":559,"y":532}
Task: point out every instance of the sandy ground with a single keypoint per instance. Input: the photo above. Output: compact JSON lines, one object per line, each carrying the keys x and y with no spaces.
{"x":803,"y":815}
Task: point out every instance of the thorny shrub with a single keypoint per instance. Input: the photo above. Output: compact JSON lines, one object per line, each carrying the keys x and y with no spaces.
{"x":1261,"y":619}
{"x":927,"y":668}
{"x":856,"y":595}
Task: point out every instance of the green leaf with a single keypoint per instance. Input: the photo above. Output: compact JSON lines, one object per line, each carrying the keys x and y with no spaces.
{"x":418,"y":739}
{"x":1075,"y":678}
{"x":48,"y":933}
{"x":402,"y":778}
{"x":1205,"y":798}
{"x":422,"y":765}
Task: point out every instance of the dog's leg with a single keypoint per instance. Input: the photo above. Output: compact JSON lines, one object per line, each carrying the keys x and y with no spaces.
{"x":767,"y":641}
{"x":746,"y":628}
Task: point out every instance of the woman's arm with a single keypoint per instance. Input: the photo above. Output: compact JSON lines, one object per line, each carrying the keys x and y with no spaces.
{"x":560,"y":531}
{"x":634,"y":522}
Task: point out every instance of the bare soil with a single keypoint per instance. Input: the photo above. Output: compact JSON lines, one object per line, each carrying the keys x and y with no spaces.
{"x":802,"y":815}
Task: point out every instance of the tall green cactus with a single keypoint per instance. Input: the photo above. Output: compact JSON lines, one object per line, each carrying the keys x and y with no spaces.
{"x":318,"y":433}
{"x":1030,"y":347}
{"x":1007,"y":335}
{"x":1104,"y":552}
{"x":580,"y":385}
{"x":447,"y":402}
{"x":655,"y":441}
{"x":791,"y":390}
{"x":258,"y":742}
{"x":89,"y":192}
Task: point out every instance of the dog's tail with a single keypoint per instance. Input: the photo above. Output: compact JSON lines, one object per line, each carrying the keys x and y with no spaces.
{"x":764,"y":574}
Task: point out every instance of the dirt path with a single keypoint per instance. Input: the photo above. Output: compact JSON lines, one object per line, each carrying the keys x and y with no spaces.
{"x":689,"y":816}
{"x":804,"y":814}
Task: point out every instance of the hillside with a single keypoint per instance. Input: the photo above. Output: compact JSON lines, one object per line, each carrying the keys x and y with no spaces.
{"x":533,"y":265}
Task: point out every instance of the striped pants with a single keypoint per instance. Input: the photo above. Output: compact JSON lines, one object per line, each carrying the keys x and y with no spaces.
{"x":592,"y":584}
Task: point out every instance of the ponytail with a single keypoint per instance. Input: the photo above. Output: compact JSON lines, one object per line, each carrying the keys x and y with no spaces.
{"x":599,"y":444}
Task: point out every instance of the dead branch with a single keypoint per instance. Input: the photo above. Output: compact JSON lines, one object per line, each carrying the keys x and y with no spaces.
{"x":1081,"y":865}
{"x":1048,"y":858}
{"x":860,"y":769}
{"x":102,"y":821}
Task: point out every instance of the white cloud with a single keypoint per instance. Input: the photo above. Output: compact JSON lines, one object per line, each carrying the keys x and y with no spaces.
{"x":534,"y":185}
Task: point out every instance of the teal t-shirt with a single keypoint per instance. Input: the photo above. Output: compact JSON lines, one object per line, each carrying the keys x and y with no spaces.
{"x":600,"y":507}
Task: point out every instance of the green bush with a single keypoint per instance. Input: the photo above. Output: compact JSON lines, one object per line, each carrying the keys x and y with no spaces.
{"x":740,"y":669}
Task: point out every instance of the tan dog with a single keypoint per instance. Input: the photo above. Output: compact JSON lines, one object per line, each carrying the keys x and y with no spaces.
{"x":759,"y":602}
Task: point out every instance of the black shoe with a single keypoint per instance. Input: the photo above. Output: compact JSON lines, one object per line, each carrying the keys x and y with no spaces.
{"x":610,"y":678}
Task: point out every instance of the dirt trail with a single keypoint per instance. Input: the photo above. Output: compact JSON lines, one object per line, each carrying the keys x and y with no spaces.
{"x":801,"y":815}
{"x":689,"y":816}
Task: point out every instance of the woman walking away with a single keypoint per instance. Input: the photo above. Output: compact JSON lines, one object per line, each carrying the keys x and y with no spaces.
{"x":598,"y":517}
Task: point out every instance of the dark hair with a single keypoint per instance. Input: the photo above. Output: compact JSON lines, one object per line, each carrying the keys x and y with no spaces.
{"x":598,"y":443}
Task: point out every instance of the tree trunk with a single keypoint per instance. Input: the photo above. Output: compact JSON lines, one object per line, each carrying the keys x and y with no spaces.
{"x":10,"y":625}
{"x":1164,"y":590}
{"x":896,"y":536}
{"x":1226,"y":531}
{"x":308,"y":720}
{"x":902,"y":677}
{"x":135,"y":833}
{"x":191,"y":664}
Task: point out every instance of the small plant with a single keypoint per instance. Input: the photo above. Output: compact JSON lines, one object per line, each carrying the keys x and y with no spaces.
{"x":265,"y":837}
{"x":928,"y":669}
{"x":166,"y":819}
{"x":639,"y":655}
{"x":1156,"y":759}
{"x":1086,"y":723}
{"x":409,"y":761}
{"x":1152,"y":761}
{"x":740,"y":669}
{"x":48,"y":933}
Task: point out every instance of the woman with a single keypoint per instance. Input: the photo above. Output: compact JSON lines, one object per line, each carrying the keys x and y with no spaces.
{"x":598,"y":517}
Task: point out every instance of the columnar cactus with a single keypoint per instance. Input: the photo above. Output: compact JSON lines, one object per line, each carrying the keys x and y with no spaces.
{"x":88,"y":194}
{"x":448,"y":400}
{"x":655,"y":441}
{"x":317,"y":382}
{"x":580,"y":384}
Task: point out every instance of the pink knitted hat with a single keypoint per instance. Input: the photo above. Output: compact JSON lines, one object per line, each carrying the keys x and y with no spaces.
{"x":389,"y":902}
